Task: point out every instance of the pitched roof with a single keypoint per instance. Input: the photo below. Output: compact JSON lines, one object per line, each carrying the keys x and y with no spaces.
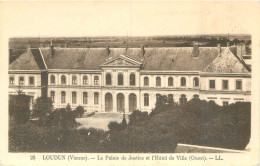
{"x":155,"y":58}
{"x":30,"y":60}
{"x":226,"y":62}
{"x":163,"y":58}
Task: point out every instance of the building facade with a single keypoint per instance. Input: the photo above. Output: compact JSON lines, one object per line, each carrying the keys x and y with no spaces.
{"x":126,"y":79}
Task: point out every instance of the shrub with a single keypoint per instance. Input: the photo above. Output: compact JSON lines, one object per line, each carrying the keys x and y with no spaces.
{"x":138,"y":117}
{"x":115,"y":126}
{"x":79,"y":111}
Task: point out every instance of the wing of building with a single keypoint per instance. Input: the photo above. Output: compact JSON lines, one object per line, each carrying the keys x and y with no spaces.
{"x":118,"y":79}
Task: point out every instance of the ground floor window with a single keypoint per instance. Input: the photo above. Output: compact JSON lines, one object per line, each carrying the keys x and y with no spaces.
{"x":96,"y":98}
{"x":53,"y":96}
{"x":85,"y":98}
{"x":74,"y":97}
{"x":146,"y":99}
{"x":183,"y":99}
{"x":63,"y":97}
{"x":225,"y":103}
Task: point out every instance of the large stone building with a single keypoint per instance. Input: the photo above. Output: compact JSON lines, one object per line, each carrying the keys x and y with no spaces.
{"x":118,"y":79}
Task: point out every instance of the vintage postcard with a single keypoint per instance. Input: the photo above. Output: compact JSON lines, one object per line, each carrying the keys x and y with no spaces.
{"x":129,"y":83}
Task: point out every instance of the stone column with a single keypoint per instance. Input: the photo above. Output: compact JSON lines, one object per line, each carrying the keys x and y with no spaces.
{"x":126,"y":97}
{"x":114,"y":102}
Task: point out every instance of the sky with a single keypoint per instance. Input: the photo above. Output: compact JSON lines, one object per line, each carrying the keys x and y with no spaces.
{"x":132,"y":18}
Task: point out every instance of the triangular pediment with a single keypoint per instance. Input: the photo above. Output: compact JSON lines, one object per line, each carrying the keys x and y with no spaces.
{"x":121,"y":61}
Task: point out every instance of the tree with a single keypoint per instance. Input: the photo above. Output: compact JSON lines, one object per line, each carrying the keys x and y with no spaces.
{"x":42,"y":108}
{"x":79,"y":111}
{"x":19,"y":108}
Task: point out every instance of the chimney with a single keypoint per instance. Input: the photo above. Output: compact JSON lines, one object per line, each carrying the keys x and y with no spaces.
{"x":227,"y":44}
{"x":195,"y":51}
{"x":241,"y":50}
{"x":108,"y":50}
{"x":219,"y":49}
{"x":52,"y":49}
{"x":142,"y":50}
{"x":28,"y":47}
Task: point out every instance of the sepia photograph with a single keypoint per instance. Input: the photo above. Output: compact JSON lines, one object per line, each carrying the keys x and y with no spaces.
{"x":151,"y":83}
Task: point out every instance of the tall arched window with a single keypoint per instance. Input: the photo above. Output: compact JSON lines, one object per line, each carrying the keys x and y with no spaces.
{"x":132,"y":79}
{"x":158,"y":97}
{"x":195,"y":82}
{"x":74,"y":79}
{"x":183,"y":81}
{"x":170,"y":81}
{"x":170,"y":97}
{"x":146,"y":99}
{"x":85,"y":97}
{"x":74,"y":97}
{"x":52,"y":79}
{"x":108,"y":79}
{"x":63,"y":79}
{"x":96,"y":98}
{"x":63,"y":97}
{"x":158,"y":81}
{"x":146,"y":81}
{"x":53,"y":96}
{"x":85,"y":80}
{"x":120,"y":79}
{"x":183,"y":99}
{"x":96,"y":80}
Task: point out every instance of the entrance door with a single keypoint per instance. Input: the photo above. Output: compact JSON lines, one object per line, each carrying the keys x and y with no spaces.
{"x":132,"y":102}
{"x":108,"y":102}
{"x":120,"y":103}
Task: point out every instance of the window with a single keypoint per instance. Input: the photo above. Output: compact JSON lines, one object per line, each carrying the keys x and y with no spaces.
{"x":108,"y":79}
{"x":146,"y":81}
{"x":21,"y":80}
{"x":170,"y":97}
{"x":170,"y":81}
{"x":63,"y":79}
{"x":53,"y":96}
{"x":225,"y":103}
{"x":157,"y":97}
{"x":63,"y":97}
{"x":11,"y":80}
{"x":183,"y":81}
{"x":146,"y":99}
{"x":52,"y":79}
{"x":238,"y":85}
{"x":85,"y":98}
{"x":132,"y":79}
{"x":224,"y":84}
{"x":120,"y":79}
{"x":96,"y":80}
{"x":183,"y":99}
{"x":96,"y":96}
{"x":212,"y":84}
{"x":85,"y":80}
{"x":31,"y":80}
{"x":74,"y":97}
{"x":74,"y":79}
{"x":158,"y":81}
{"x":195,"y":82}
